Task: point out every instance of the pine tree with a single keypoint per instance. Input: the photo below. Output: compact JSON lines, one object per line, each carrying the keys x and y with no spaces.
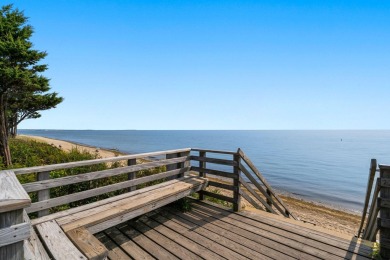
{"x":20,"y":72}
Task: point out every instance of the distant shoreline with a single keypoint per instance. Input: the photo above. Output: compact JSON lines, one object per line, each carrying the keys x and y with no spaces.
{"x":320,"y":214}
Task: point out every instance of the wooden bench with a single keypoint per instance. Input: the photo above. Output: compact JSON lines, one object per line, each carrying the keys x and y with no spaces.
{"x":69,"y":234}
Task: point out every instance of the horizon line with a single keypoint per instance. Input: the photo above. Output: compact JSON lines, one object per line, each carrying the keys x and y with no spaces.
{"x":52,"y":129}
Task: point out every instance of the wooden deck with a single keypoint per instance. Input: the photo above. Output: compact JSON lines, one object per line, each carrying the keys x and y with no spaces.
{"x":130,"y":218}
{"x":211,"y":232}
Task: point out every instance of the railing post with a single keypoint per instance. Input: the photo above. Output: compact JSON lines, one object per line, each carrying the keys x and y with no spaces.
{"x":202,"y":165}
{"x":269,"y":201}
{"x":370,"y":182}
{"x":13,"y":199}
{"x":384,"y":227}
{"x":186,"y":163}
{"x":236,"y":182}
{"x":174,"y":166}
{"x":131,"y":175}
{"x":43,"y":194}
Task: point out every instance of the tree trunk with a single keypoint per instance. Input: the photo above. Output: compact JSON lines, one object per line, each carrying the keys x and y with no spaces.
{"x":13,"y":132}
{"x":14,"y":127}
{"x":4,"y":147}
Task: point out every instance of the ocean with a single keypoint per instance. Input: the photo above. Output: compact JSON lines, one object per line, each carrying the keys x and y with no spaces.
{"x":329,"y":167}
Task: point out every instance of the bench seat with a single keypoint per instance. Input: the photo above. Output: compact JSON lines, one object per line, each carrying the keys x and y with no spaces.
{"x":75,"y":227}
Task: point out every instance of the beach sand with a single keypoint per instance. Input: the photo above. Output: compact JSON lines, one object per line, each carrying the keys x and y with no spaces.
{"x":312,"y":213}
{"x":67,"y":146}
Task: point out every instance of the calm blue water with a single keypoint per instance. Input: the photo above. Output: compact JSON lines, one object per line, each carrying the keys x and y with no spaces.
{"x":325,"y":166}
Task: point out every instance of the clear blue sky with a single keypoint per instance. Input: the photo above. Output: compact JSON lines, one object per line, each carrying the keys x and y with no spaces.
{"x":215,"y":64}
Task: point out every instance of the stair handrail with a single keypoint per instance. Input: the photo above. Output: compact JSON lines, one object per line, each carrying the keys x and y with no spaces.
{"x":371,"y":178}
{"x":270,"y":191}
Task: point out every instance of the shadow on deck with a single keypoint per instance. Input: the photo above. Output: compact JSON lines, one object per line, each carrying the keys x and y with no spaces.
{"x":211,"y":232}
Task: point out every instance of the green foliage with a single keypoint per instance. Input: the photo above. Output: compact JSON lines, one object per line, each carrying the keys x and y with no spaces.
{"x":19,"y":68}
{"x":218,"y":201}
{"x":29,"y":153}
{"x":214,"y":200}
{"x":376,"y":252}
{"x":183,"y":204}
{"x":23,"y":88}
{"x":25,"y":105}
{"x":149,"y":172}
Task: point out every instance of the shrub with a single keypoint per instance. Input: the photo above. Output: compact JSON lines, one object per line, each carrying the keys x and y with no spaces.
{"x":29,"y":153}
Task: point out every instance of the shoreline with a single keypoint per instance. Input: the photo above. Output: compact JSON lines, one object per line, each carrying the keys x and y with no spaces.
{"x":67,"y":145}
{"x":320,"y":214}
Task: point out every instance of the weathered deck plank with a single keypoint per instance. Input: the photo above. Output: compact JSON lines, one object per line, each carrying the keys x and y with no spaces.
{"x":212,"y":245}
{"x":219,"y":235}
{"x":168,"y":244}
{"x":332,"y":245}
{"x":58,"y":244}
{"x":33,"y":248}
{"x":115,"y":252}
{"x":258,"y":238}
{"x":182,"y":240}
{"x":87,"y":244}
{"x":290,"y":246}
{"x":129,"y":246}
{"x":298,"y":228}
{"x":147,"y":244}
{"x":211,"y":232}
{"x":229,"y":233}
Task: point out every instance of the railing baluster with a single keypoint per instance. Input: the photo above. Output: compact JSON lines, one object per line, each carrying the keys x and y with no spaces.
{"x":202,"y":165}
{"x":269,"y":200}
{"x":368,"y":193}
{"x":236,"y":183}
{"x":132,"y":175}
{"x":373,"y":212}
{"x":43,"y":194}
{"x":184,"y":164}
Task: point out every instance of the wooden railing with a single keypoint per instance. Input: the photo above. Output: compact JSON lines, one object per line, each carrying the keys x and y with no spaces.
{"x":255,"y":189}
{"x":176,"y":163}
{"x":379,"y":201}
{"x":370,"y":225}
{"x":13,"y":230}
{"x":245,"y":179}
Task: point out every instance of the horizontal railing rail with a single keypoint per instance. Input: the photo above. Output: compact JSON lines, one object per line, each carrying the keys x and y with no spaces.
{"x":98,"y":184}
{"x":256,"y":190}
{"x":73,"y":179}
{"x":62,"y":166}
{"x":243,"y":179}
{"x":262,"y":185}
{"x":77,"y":196}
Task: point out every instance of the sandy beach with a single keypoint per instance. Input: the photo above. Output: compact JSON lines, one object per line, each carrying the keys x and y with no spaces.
{"x":312,"y":213}
{"x":67,"y":146}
